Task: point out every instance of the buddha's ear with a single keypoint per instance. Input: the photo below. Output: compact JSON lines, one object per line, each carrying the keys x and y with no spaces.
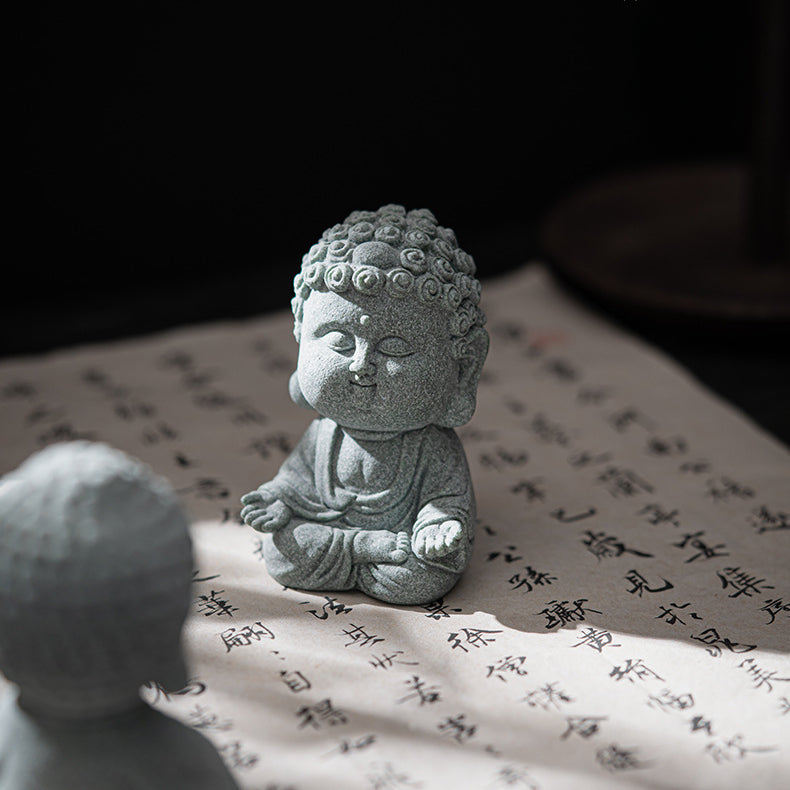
{"x":295,"y":391}
{"x":470,"y":366}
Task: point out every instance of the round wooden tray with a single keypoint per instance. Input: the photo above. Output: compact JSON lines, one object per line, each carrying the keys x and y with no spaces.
{"x":669,"y":245}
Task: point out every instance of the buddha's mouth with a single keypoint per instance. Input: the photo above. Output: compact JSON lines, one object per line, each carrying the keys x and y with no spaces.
{"x":363,"y":383}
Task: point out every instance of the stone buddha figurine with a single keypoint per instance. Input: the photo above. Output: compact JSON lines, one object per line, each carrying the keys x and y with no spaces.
{"x":377,"y":495}
{"x":95,"y":576}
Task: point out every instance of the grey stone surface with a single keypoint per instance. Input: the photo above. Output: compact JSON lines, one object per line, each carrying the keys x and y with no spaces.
{"x":95,"y":584}
{"x":377,"y":496}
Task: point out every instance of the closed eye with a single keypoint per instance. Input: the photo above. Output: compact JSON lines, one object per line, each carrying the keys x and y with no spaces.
{"x":394,"y":346}
{"x":341,"y":342}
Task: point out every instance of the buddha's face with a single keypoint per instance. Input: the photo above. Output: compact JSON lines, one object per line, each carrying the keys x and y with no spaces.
{"x":376,"y":363}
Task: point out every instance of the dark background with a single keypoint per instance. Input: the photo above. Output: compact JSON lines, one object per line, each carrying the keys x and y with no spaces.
{"x":179,"y":158}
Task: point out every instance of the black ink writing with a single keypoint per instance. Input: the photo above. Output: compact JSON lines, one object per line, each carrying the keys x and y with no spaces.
{"x":245,"y":635}
{"x":560,"y":613}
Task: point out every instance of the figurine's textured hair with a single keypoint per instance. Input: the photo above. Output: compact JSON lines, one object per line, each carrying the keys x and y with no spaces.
{"x":95,"y":577}
{"x":400,"y":253}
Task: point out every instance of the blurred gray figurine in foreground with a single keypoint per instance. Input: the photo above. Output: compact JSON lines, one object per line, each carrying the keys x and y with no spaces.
{"x":95,"y":574}
{"x":377,"y":496}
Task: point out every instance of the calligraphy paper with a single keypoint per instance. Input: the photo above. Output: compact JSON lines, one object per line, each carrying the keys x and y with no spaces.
{"x":624,"y":620}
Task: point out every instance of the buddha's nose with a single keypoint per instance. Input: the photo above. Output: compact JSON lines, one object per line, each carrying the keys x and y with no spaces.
{"x":362,"y":367}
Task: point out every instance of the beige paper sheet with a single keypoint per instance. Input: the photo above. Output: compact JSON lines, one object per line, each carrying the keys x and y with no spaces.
{"x":625,"y":619}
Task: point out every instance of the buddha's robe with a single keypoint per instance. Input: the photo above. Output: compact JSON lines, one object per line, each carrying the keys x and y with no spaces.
{"x":313,"y":551}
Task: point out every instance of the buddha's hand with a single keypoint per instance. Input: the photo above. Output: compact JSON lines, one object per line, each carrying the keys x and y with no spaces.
{"x":264,"y":512}
{"x":438,"y":540}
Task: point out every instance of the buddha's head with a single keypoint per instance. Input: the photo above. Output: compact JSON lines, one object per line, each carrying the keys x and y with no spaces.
{"x":387,"y":317}
{"x":95,"y":575}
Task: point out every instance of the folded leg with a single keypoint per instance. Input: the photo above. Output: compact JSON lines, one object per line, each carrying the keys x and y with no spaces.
{"x":311,"y":556}
{"x":413,"y":582}
{"x":314,"y":556}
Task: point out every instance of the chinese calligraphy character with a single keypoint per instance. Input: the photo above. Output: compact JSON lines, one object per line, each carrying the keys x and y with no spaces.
{"x":246,"y":635}
{"x":548,"y":431}
{"x":733,"y":749}
{"x":388,"y":660}
{"x":295,"y":681}
{"x":657,"y":515}
{"x":322,"y":713}
{"x":207,"y":488}
{"x":438,"y":609}
{"x":502,"y":458}
{"x":515,"y":406}
{"x":529,"y":578}
{"x":64,"y":432}
{"x":760,"y":676}
{"x":585,"y":458}
{"x":742,"y":582}
{"x":613,"y":758}
{"x":671,"y":617}
{"x":670,"y":701}
{"x":597,"y":639}
{"x":583,"y":726}
{"x":640,"y":584}
{"x":385,"y":777}
{"x":263,"y":447}
{"x":765,"y":520}
{"x":559,"y":613}
{"x":158,"y":433}
{"x":676,"y":445}
{"x":623,"y":419}
{"x":509,"y":330}
{"x":358,"y":636}
{"x":512,"y":664}
{"x":476,"y":637}
{"x":599,"y":544}
{"x":346,"y":746}
{"x":41,"y":413}
{"x":547,"y":697}
{"x":196,"y":579}
{"x":592,"y":395}
{"x":695,"y":467}
{"x":560,"y":515}
{"x":511,"y":776}
{"x":701,"y":724}
{"x":532,"y":489}
{"x":232,"y":516}
{"x":632,"y":669}
{"x":624,"y":482}
{"x":726,"y":489}
{"x":201,"y":719}
{"x":507,"y":555}
{"x":233,"y":755}
{"x":244,"y":414}
{"x":330,"y":605}
{"x":714,"y":642}
{"x":271,"y":360}
{"x":18,"y":389}
{"x":703,"y":550}
{"x":212,"y":604}
{"x":773,"y":607}
{"x":457,"y":728}
{"x":179,"y":360}
{"x":183,"y":460}
{"x":426,"y":695}
{"x":97,"y":378}
{"x":561,"y":369}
